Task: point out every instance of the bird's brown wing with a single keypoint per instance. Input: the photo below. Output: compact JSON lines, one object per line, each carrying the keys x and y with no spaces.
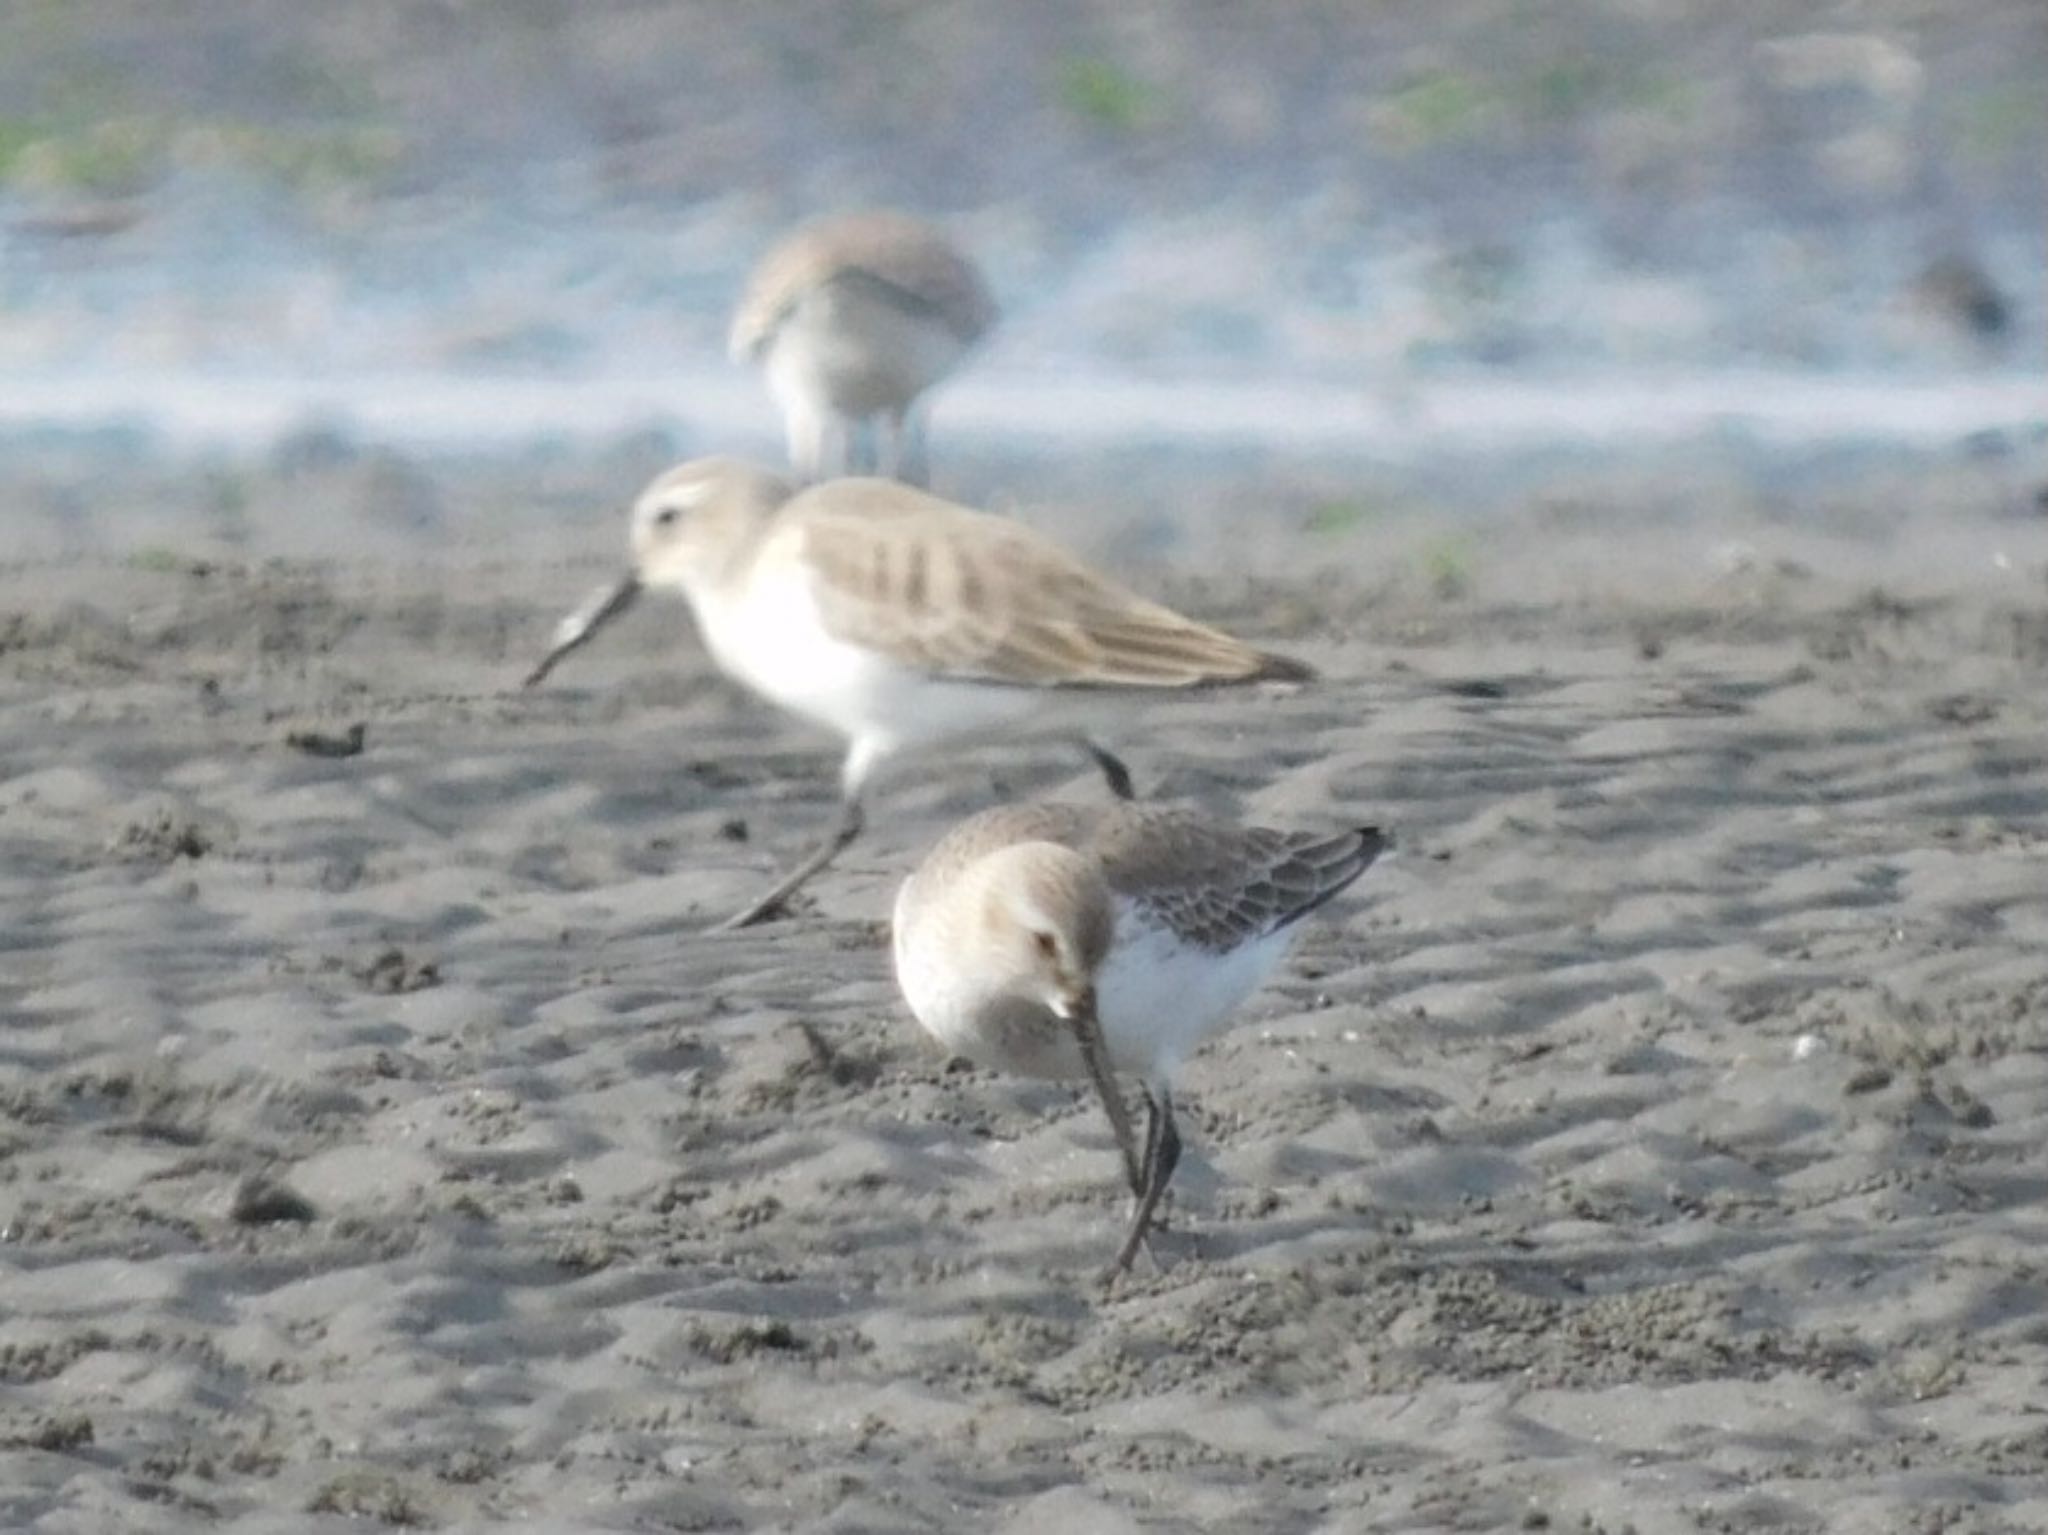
{"x":963,"y":594}
{"x":1219,"y":885}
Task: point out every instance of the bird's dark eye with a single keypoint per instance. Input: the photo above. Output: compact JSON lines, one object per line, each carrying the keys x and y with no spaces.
{"x":1047,"y":945}
{"x":666,"y":517}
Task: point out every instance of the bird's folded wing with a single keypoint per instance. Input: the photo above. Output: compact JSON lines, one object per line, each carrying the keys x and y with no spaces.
{"x":1219,"y":886}
{"x":967,"y":595}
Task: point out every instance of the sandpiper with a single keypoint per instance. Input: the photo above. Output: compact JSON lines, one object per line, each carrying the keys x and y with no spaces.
{"x":901,"y":621}
{"x":1061,"y":941}
{"x":853,"y":318}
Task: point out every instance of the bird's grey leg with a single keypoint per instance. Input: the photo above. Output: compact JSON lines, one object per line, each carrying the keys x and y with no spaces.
{"x":1162,"y":1156}
{"x":1113,"y":769}
{"x":809,"y":432}
{"x":909,"y":458}
{"x":863,"y":452}
{"x":889,"y":454}
{"x":838,"y":448}
{"x":851,"y":820}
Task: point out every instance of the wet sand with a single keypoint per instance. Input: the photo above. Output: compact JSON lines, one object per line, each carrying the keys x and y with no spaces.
{"x":1653,"y":1144}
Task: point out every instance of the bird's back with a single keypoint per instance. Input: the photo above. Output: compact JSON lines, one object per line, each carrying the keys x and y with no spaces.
{"x":1213,"y":883}
{"x":901,"y":260}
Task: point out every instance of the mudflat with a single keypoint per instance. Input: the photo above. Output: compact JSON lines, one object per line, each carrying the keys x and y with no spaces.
{"x":1654,"y":1143}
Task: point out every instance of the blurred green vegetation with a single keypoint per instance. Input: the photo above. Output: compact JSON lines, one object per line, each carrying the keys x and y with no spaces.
{"x":1634,"y":111}
{"x":1567,"y":87}
{"x":1564,"y":90}
{"x":87,"y":129}
{"x":1331,"y":518}
{"x":1444,"y":108}
{"x":2001,"y":120}
{"x":307,"y":161}
{"x":1106,"y":96}
{"x":123,"y":156}
{"x":1448,"y":562}
{"x":110,"y":157}
{"x":1438,"y":107}
{"x":158,"y":559}
{"x":1344,"y":514}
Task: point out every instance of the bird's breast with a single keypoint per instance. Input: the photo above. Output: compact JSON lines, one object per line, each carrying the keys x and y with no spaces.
{"x":768,"y":634}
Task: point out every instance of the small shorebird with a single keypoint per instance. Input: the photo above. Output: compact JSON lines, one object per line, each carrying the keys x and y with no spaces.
{"x":900,"y":621}
{"x":1060,"y":941}
{"x":852,"y":318}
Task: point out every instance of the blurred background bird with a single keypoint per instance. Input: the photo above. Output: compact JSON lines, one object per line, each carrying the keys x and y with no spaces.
{"x":853,"y":318}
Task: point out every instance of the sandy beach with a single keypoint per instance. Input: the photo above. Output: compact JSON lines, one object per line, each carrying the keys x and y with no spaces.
{"x":1636,"y":413}
{"x":1653,"y":1144}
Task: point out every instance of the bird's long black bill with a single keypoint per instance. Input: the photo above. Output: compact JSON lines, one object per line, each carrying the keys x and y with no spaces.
{"x":1087,"y":1029}
{"x":597,"y":610}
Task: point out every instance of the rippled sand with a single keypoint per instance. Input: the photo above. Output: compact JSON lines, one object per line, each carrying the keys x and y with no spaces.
{"x":1654,"y":1143}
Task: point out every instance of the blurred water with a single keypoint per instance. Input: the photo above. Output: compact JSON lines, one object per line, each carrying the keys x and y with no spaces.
{"x":713,"y":405}
{"x":1388,"y":233}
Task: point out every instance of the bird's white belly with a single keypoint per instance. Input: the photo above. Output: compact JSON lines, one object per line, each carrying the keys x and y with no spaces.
{"x":771,"y":638}
{"x":1157,"y":999}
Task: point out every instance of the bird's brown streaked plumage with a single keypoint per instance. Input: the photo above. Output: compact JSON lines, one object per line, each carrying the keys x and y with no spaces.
{"x":920,"y":269}
{"x":901,"y":621}
{"x":970,"y":596}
